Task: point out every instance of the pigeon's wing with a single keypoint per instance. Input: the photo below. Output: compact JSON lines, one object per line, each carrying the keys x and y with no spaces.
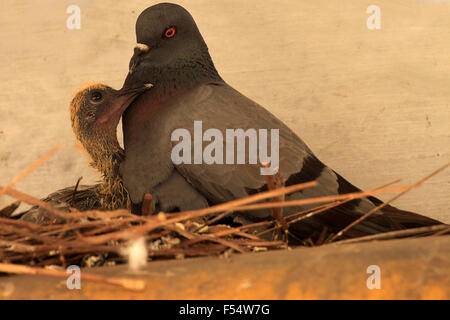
{"x":221,"y":107}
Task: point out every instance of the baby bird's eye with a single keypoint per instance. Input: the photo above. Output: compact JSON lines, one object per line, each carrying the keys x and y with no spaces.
{"x":96,"y":97}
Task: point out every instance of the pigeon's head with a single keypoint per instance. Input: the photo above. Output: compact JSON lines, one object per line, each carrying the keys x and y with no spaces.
{"x":96,"y":109}
{"x":169,"y":48}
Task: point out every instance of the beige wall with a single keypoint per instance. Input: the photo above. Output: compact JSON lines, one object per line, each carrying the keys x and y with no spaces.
{"x":372,"y":104}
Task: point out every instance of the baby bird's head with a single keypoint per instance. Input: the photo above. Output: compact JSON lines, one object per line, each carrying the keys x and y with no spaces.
{"x":95,"y":111}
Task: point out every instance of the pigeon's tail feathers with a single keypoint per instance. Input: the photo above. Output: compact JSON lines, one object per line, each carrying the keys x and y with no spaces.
{"x":406,"y":219}
{"x":387,"y":218}
{"x":398,"y":219}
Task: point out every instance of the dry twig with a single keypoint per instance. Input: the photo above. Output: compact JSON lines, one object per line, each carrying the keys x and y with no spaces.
{"x":126,"y":283}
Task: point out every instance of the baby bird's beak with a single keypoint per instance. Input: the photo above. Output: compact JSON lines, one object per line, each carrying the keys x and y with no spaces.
{"x":124,"y":98}
{"x":135,"y":90}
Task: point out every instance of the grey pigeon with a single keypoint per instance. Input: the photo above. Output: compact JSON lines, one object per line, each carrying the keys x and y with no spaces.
{"x":172,"y":55}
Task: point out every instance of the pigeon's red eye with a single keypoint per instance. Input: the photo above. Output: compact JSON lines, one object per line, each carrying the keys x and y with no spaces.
{"x":170,"y":32}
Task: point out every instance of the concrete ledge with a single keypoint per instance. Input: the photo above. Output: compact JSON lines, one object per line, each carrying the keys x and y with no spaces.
{"x":410,"y":269}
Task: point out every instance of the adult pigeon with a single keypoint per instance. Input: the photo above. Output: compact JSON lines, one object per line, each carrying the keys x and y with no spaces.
{"x":188,"y":93}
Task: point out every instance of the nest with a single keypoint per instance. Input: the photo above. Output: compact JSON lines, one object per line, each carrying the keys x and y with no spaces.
{"x":92,"y":238}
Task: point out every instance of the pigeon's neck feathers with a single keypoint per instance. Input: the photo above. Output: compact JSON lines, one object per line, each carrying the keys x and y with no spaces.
{"x":185,"y":73}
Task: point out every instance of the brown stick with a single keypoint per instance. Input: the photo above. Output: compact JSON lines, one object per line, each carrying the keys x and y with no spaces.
{"x":30,"y":169}
{"x":237,"y":229}
{"x":153,"y":222}
{"x":36,"y":202}
{"x":395,"y":234}
{"x":127,"y":283}
{"x":75,"y":191}
{"x":319,"y":209}
{"x":20,"y":223}
{"x":147,"y":205}
{"x":308,"y":213}
{"x":416,"y":185}
{"x":197,"y":238}
{"x":213,"y":220}
{"x":274,"y":182}
{"x":442,"y":232}
{"x":294,"y":203}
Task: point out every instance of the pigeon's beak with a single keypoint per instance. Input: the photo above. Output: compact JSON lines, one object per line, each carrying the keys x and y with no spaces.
{"x":133,"y":92}
{"x":125,"y":98}
{"x":140,"y":50}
